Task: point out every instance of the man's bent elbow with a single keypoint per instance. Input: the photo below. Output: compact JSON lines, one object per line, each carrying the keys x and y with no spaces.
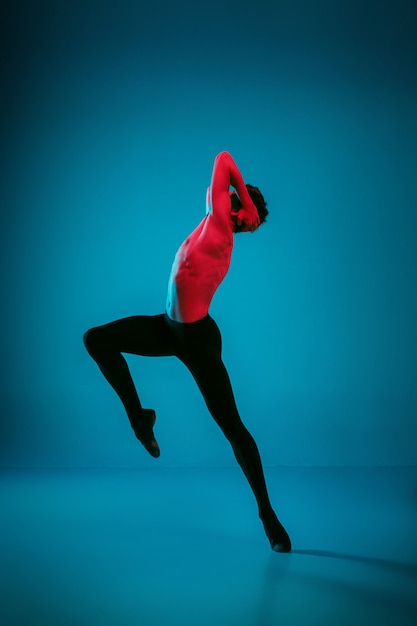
{"x":224,"y":155}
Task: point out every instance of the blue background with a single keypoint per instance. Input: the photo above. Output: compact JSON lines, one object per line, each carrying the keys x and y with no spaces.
{"x":112,"y":114}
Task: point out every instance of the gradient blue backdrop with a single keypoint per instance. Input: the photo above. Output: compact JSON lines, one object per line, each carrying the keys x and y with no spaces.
{"x":112,"y":116}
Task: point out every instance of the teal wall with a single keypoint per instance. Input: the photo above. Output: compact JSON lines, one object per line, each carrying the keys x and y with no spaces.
{"x":112,"y":116}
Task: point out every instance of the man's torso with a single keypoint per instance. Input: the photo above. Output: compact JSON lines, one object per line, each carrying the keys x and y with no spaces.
{"x":199,"y":267}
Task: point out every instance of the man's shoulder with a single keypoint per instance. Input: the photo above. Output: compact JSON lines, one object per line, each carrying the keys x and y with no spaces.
{"x":215,"y":234}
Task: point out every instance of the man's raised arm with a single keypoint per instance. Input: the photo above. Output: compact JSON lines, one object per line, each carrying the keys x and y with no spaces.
{"x":227,"y":174}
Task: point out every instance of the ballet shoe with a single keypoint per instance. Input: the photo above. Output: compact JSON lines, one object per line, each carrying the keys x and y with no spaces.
{"x":277,"y":535}
{"x":143,"y":428}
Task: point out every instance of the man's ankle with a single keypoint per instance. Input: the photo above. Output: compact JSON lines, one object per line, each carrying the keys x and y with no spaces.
{"x":267,"y":513}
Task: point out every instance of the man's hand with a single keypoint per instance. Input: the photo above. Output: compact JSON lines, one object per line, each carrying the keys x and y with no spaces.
{"x":226,"y":174}
{"x":247,"y":218}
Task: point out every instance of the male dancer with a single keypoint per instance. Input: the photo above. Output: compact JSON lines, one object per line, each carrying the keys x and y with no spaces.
{"x":187,"y":331}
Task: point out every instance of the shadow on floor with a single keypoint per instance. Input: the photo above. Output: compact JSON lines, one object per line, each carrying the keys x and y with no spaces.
{"x":406,"y":569}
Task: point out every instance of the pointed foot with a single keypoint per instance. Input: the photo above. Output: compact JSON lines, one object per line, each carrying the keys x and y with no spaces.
{"x":277,"y":535}
{"x":143,"y":428}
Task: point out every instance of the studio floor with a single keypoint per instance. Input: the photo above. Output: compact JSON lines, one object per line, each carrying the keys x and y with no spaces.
{"x":184,"y":547}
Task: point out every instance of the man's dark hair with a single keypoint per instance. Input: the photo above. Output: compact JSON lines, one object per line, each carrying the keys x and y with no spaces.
{"x":257,"y":199}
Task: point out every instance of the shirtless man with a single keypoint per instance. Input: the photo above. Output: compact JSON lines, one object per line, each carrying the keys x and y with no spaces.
{"x":187,"y":331}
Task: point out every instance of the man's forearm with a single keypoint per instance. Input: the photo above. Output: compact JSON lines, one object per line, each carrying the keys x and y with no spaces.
{"x":236,"y":181}
{"x":226,"y":174}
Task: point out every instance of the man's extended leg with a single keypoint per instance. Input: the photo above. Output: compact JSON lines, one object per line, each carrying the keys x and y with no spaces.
{"x":217,"y":391}
{"x":141,"y":335}
{"x":201,"y":353}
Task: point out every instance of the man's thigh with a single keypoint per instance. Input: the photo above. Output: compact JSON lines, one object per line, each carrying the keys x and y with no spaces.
{"x":144,"y":335}
{"x":213,"y":380}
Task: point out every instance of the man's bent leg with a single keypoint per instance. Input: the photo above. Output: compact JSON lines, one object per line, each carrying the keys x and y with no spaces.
{"x":141,"y":335}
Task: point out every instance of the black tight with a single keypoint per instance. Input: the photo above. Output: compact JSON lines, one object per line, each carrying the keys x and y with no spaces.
{"x":198,"y":346}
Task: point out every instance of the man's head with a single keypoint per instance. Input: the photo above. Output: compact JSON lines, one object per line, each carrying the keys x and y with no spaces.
{"x":257,"y":199}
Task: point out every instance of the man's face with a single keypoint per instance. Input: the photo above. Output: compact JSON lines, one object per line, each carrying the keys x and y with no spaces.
{"x":235,"y":206}
{"x":235,"y":226}
{"x":235,"y":200}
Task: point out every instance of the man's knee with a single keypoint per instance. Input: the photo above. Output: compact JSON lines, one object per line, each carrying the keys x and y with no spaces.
{"x":92,"y":341}
{"x":237,"y":434}
{"x":232,"y":427}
